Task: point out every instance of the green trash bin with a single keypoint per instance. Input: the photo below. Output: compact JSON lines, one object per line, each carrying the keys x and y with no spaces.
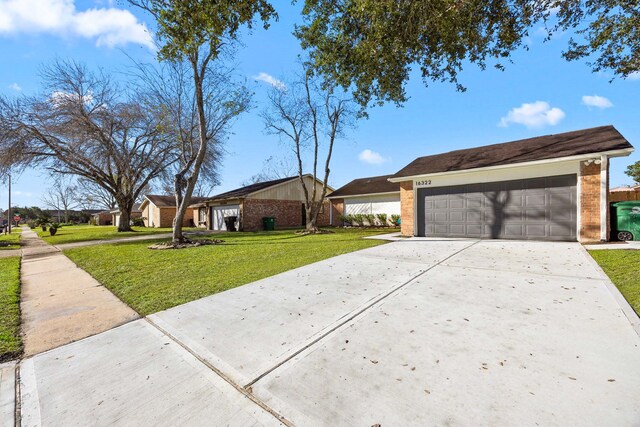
{"x":269,"y":223}
{"x":625,"y":220}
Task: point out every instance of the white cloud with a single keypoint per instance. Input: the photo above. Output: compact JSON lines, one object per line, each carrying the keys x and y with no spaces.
{"x":596,"y":101}
{"x":372,"y":157}
{"x":23,"y":193}
{"x":109,"y":26}
{"x":535,"y":115}
{"x":15,"y":86}
{"x":270,"y":80}
{"x":634,"y":76}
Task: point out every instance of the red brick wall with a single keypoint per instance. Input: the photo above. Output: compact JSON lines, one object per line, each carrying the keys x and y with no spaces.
{"x":288,"y":213}
{"x":406,"y":208}
{"x":337,"y":205}
{"x":590,"y":202}
{"x":324,"y":218}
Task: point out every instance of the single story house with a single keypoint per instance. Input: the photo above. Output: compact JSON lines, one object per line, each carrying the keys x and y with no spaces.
{"x":115,"y":214}
{"x":372,"y":195}
{"x":553,"y":187}
{"x":282,"y":199}
{"x":159,"y":211}
{"x":102,"y":218}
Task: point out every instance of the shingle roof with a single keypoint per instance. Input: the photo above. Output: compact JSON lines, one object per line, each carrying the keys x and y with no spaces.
{"x":169,"y":201}
{"x":371,"y":185}
{"x":586,"y":141}
{"x":241,"y":192}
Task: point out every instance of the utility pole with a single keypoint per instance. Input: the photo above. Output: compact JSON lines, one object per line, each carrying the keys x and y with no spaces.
{"x":9,"y":218}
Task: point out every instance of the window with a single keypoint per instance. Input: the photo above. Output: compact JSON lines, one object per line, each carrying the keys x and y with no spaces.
{"x":202,"y":215}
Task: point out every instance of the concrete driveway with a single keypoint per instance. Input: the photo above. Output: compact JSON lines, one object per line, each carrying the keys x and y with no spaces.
{"x":417,"y":332}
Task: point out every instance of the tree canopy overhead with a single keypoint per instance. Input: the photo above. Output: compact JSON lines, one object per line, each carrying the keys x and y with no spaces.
{"x":370,"y":46}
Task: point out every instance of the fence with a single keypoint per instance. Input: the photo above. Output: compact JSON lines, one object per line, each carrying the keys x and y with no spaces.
{"x":624,"y":196}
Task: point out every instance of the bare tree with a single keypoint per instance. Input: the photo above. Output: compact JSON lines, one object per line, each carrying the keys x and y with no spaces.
{"x":273,"y":168}
{"x":90,"y":196}
{"x":86,"y":125}
{"x":171,"y":91}
{"x":309,"y":116}
{"x":62,"y":196}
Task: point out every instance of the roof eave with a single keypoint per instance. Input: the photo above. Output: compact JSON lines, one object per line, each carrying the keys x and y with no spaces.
{"x":612,"y":153}
{"x":344,"y":196}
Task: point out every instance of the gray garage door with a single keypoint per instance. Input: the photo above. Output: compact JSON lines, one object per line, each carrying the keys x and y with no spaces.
{"x":537,"y":209}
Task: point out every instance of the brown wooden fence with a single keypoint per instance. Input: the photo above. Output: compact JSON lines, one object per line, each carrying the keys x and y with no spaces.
{"x":624,"y":196}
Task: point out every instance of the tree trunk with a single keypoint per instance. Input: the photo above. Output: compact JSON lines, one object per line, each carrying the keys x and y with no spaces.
{"x":312,"y":217}
{"x":125,"y":215}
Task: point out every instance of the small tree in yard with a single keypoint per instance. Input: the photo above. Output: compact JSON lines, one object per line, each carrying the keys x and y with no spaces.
{"x":309,"y":116}
{"x":195,"y":33}
{"x":61,"y":197}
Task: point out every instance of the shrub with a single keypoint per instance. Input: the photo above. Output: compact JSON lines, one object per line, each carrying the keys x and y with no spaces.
{"x":344,"y":220}
{"x":53,"y":228}
{"x":382,"y":219}
{"x":351,"y":220}
{"x":395,"y":220}
{"x":138,"y":222}
{"x":371,"y":219}
{"x":359,"y":219}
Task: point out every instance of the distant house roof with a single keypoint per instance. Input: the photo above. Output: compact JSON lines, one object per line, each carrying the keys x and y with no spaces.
{"x":101,"y":213}
{"x":626,"y":188}
{"x":586,"y":141}
{"x":371,"y":185}
{"x":163,"y":201}
{"x":136,"y":209}
{"x":242,"y":192}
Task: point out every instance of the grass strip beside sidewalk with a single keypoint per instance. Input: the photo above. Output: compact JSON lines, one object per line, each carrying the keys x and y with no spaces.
{"x":10,"y":341}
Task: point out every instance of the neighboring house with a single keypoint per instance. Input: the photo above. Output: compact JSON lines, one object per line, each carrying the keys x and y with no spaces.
{"x":552,"y":187}
{"x":115,"y":214}
{"x":624,"y":194}
{"x":373,"y":195}
{"x":159,"y":211}
{"x":282,"y":199}
{"x":102,"y":218}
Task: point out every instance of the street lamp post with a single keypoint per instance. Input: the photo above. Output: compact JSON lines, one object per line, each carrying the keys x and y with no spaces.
{"x":9,"y":211}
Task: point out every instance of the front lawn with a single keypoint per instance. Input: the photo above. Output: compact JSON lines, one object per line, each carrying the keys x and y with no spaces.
{"x":85,"y":232}
{"x":150,"y":281}
{"x":10,"y":342}
{"x":13,"y":239}
{"x":623,"y":268}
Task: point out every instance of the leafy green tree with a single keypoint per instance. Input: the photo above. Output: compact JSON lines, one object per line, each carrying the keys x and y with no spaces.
{"x":371,"y":46}
{"x":197,"y":32}
{"x":633,"y":170}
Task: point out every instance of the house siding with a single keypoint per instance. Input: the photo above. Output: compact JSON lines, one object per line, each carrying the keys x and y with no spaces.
{"x":288,"y":213}
{"x":337,"y":205}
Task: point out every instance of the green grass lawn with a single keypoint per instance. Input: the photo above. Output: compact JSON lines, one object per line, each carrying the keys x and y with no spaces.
{"x":85,"y":232}
{"x":10,"y":342}
{"x":151,"y":280}
{"x":623,"y":268}
{"x":13,"y":239}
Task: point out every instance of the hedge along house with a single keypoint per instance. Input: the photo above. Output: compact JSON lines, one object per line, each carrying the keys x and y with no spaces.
{"x":282,"y":199}
{"x":553,"y":187}
{"x":373,"y":195}
{"x":159,"y":211}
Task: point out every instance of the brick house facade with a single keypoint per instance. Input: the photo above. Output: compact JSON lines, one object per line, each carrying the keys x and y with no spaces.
{"x":159,"y":211}
{"x":282,"y":199}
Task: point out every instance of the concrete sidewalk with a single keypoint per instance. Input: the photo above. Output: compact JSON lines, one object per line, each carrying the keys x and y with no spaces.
{"x":60,"y":302}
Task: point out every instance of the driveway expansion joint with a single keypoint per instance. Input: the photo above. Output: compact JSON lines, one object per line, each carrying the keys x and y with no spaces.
{"x":245,"y":391}
{"x":349,"y":317}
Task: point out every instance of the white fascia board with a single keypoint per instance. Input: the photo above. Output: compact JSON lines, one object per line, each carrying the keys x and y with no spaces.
{"x":604,"y":192}
{"x":614,"y":153}
{"x":363,"y":195}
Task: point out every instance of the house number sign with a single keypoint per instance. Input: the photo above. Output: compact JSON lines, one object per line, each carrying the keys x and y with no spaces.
{"x":424,"y":182}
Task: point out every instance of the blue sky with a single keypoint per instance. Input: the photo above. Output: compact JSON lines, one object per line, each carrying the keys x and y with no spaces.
{"x":538,"y":94}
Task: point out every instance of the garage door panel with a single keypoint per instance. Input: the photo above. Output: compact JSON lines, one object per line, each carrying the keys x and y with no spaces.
{"x":540,"y":208}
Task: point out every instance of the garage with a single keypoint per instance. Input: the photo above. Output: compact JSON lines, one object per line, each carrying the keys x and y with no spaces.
{"x":218,"y":213}
{"x":537,"y":208}
{"x":550,"y":187}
